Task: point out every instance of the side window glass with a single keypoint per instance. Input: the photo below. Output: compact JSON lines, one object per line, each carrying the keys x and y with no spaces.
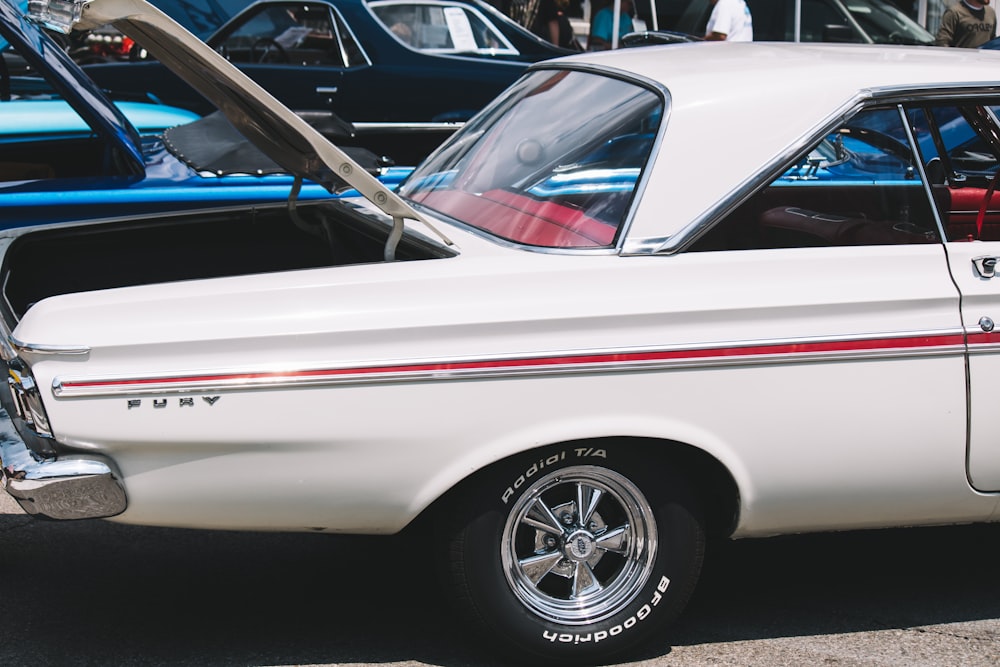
{"x":967,"y":150}
{"x":438,"y":28}
{"x":286,"y":33}
{"x":858,"y":186}
{"x":959,"y":146}
{"x":351,"y":52}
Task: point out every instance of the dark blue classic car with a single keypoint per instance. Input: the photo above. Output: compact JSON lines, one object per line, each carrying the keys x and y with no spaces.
{"x":402,"y":73}
{"x":101,"y":166}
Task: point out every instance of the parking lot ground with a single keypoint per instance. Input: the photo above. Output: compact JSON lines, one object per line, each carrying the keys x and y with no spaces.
{"x":100,"y":593}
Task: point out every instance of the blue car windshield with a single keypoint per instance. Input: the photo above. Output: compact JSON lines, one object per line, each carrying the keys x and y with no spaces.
{"x":554,"y":162}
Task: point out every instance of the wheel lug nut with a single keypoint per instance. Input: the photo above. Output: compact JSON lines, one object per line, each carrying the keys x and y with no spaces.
{"x":567,"y":519}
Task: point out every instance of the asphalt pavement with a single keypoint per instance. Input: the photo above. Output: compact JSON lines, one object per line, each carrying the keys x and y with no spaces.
{"x":100,"y":593}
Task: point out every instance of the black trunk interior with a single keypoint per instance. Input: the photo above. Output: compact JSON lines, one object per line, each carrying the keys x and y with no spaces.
{"x":93,"y":257}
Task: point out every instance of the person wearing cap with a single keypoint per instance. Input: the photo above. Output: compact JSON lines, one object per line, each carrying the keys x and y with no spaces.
{"x":967,"y":23}
{"x":730,"y":21}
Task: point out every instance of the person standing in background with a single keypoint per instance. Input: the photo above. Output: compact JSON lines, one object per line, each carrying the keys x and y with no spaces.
{"x":968,"y":24}
{"x":602,"y":25}
{"x":730,"y":21}
{"x":552,"y":24}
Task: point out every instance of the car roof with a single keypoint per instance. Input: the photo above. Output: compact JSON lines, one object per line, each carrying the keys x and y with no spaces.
{"x":736,"y":108}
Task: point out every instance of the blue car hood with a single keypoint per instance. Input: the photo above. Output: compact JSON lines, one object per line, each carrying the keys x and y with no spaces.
{"x":69,"y":81}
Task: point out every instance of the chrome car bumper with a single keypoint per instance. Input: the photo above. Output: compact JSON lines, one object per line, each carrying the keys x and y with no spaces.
{"x":43,"y":481}
{"x":63,"y":488}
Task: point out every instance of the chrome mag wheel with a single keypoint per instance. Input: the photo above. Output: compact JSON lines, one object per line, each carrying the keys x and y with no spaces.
{"x":579,"y":545}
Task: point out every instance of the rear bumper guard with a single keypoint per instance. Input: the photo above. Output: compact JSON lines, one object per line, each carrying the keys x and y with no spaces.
{"x":63,"y":488}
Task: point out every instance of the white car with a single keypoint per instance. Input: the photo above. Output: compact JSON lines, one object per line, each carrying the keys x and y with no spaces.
{"x":646,"y":297}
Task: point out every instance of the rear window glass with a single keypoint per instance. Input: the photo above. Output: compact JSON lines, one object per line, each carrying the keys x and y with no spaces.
{"x":554,"y":163}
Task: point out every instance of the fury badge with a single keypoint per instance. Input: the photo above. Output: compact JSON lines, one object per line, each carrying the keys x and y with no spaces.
{"x":185,"y":402}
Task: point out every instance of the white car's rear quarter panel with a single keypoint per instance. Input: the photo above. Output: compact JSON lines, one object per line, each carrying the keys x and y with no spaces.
{"x":813,"y":444}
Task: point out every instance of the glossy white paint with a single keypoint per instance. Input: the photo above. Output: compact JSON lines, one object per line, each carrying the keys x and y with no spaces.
{"x":812,"y":445}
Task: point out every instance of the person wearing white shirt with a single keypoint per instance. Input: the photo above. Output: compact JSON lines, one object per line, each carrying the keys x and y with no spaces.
{"x":730,"y":21}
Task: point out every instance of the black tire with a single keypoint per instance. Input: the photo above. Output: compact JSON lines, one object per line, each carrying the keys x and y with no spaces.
{"x":549,"y":585}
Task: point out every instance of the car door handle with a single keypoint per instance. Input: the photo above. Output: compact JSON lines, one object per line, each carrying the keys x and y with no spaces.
{"x":986,"y":266}
{"x":326,"y":90}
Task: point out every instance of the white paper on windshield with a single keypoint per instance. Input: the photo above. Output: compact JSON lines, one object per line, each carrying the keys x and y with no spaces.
{"x":460,"y":29}
{"x":293,"y":36}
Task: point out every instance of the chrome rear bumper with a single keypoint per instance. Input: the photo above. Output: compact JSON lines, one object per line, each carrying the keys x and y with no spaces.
{"x":63,"y":488}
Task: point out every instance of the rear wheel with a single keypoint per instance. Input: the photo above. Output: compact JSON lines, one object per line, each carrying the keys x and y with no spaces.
{"x":576,"y":553}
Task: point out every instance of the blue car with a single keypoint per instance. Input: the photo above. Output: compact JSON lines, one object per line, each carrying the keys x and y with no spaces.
{"x":100,"y":165}
{"x":32,"y":119}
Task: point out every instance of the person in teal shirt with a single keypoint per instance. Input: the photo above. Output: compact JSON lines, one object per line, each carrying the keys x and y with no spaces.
{"x":602,"y":25}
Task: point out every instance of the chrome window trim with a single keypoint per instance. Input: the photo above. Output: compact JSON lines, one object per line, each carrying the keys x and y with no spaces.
{"x":643,"y":245}
{"x":930,"y":92}
{"x":347,"y":26}
{"x":918,"y":160}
